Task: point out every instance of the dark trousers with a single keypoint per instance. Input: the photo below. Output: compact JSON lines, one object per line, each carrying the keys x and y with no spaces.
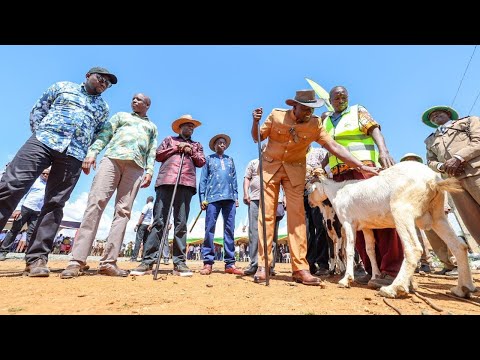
{"x":27,"y":165}
{"x":141,"y":238}
{"x":319,"y":247}
{"x":181,"y":209}
{"x":27,"y":216}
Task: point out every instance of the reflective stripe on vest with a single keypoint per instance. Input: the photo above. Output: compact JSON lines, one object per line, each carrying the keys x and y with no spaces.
{"x":347,"y":133}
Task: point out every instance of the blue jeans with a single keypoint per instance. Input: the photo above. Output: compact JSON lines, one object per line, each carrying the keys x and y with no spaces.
{"x":228,"y":213}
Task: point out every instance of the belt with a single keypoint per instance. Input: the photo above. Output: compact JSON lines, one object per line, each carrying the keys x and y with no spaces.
{"x":343,"y":168}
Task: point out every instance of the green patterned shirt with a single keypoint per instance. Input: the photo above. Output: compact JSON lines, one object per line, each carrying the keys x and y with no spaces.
{"x":129,"y":137}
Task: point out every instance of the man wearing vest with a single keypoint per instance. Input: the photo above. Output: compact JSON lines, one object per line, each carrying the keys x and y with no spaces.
{"x":354,"y":128}
{"x":289,"y":133}
{"x":454,"y":151}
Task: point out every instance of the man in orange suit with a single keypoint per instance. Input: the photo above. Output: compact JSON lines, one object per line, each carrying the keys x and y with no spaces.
{"x":289,"y":134}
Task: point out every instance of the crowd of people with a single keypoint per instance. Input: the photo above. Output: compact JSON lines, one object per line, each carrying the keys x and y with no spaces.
{"x":71,"y":125}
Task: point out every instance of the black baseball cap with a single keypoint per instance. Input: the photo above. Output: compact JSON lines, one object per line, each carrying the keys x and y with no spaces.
{"x":100,"y":70}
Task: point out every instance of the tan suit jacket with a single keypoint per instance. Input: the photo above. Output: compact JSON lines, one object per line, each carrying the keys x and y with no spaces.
{"x":288,"y":142}
{"x":462,"y":138}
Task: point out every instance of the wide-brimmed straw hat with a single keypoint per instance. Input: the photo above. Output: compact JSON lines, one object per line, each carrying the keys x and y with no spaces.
{"x":307,"y":98}
{"x":426,"y":114}
{"x":187,"y":118}
{"x":211,"y":143}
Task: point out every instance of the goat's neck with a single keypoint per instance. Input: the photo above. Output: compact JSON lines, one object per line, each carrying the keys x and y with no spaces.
{"x":332,"y":187}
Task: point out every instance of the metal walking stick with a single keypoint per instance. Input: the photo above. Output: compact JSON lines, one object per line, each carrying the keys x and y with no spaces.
{"x":262,"y":202}
{"x":165,"y":226}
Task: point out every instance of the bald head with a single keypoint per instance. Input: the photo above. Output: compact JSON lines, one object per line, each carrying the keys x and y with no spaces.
{"x":140,"y":104}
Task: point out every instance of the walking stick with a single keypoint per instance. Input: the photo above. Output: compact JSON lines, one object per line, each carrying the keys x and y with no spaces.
{"x":165,"y":226}
{"x":262,"y":202}
{"x":200,"y":213}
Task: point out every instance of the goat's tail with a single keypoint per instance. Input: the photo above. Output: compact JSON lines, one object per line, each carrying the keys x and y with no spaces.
{"x":451,"y":185}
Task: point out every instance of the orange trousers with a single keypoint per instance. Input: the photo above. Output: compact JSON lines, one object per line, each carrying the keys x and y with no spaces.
{"x":297,"y":235}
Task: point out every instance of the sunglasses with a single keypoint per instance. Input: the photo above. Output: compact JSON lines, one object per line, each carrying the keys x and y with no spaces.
{"x":103,"y":80}
{"x":45,"y":173}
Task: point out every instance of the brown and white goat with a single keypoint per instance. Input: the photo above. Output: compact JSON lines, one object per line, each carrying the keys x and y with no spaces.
{"x":402,"y":196}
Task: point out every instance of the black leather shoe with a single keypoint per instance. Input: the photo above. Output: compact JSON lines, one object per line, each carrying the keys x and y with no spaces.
{"x":38,"y":268}
{"x":424,"y":267}
{"x":363,"y":280}
{"x":250,"y":271}
{"x":442,"y":272}
{"x":322,"y":272}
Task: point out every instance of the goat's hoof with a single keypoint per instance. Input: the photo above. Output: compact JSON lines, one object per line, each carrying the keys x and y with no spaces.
{"x":344,"y":283}
{"x":388,"y":292}
{"x":460,"y":291}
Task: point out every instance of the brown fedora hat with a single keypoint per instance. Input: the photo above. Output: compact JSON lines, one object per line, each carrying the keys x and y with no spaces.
{"x":307,"y":98}
{"x":187,"y":118}
{"x":211,"y":143}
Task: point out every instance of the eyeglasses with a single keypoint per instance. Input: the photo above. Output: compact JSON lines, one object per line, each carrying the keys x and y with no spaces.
{"x":294,"y":134}
{"x":45,"y":173}
{"x":103,"y":80}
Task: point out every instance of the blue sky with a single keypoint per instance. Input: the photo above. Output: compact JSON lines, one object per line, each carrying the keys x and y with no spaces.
{"x":220,"y":86}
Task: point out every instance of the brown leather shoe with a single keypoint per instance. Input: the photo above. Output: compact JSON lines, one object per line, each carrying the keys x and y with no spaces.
{"x":38,"y":268}
{"x":260,"y":275}
{"x":304,"y":277}
{"x":72,"y":271}
{"x":112,"y":270}
{"x":206,"y":270}
{"x":233,"y":270}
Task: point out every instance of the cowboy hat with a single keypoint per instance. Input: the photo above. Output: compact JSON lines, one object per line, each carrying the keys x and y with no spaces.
{"x":307,"y":98}
{"x":212,"y":141}
{"x":448,"y":109}
{"x":187,"y":118}
{"x":418,"y":157}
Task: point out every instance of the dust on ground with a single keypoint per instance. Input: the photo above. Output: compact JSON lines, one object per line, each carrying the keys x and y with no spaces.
{"x":218,"y":293}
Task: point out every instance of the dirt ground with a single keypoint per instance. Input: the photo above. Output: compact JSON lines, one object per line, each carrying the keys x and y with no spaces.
{"x":218,"y":293}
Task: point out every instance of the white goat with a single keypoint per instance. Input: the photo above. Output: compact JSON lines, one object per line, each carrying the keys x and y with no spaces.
{"x":332,"y":225}
{"x":405,"y":195}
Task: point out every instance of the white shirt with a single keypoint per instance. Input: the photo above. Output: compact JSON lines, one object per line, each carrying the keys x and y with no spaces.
{"x":34,"y":198}
{"x":147,"y":212}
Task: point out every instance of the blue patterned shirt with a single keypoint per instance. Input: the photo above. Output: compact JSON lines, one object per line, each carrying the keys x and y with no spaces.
{"x":67,"y":117}
{"x":218,"y":180}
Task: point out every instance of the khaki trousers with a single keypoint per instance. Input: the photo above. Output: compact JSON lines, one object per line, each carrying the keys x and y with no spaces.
{"x":468,"y":205}
{"x":441,"y":250}
{"x":297,"y":234}
{"x":124,"y":176}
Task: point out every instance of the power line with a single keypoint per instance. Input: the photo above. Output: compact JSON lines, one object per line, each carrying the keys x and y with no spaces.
{"x":461,"y":81}
{"x":469,"y":112}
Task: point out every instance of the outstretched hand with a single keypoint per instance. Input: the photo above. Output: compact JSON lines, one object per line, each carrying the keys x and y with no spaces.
{"x":386,"y":160}
{"x":364,"y":169}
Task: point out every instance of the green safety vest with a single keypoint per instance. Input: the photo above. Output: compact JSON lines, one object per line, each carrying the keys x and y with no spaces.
{"x":348,"y":134}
